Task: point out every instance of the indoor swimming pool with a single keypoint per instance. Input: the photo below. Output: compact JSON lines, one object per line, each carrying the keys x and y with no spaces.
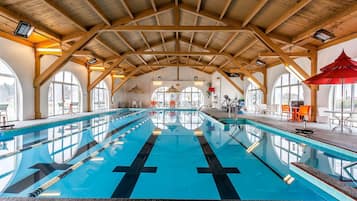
{"x":162,"y":154}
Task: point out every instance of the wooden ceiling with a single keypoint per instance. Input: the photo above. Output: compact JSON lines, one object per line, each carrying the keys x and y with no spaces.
{"x":202,"y":34}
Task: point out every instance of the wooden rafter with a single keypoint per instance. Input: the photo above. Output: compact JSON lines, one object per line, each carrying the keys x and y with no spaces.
{"x":275,"y":48}
{"x":292,"y":11}
{"x":310,"y":31}
{"x":254,"y":12}
{"x":225,"y":45}
{"x":290,"y":54}
{"x":96,"y":8}
{"x":62,"y":12}
{"x":121,"y":37}
{"x":66,"y":56}
{"x":175,"y":28}
{"x":241,"y":51}
{"x":177,"y":53}
{"x":123,"y":81}
{"x":235,"y":85}
{"x":195,"y":23}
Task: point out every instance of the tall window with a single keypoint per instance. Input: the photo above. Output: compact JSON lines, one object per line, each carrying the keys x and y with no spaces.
{"x":254,"y":97}
{"x":191,"y":97}
{"x":161,"y":98}
{"x":286,"y":89}
{"x":64,"y":95}
{"x":8,"y":97}
{"x":100,"y":97}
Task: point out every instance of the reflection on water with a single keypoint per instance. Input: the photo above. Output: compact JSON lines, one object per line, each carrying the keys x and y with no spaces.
{"x":8,"y":164}
{"x":172,"y":119}
{"x":100,"y":128}
{"x":280,"y":152}
{"x":65,"y":141}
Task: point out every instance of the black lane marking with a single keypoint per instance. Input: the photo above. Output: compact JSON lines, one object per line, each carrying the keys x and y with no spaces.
{"x":128,"y":182}
{"x":224,"y":185}
{"x":44,"y":169}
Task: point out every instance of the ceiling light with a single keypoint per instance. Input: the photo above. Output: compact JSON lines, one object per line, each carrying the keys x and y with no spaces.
{"x":198,"y":83}
{"x":260,"y":62}
{"x":23,"y":29}
{"x":119,"y":76}
{"x":92,"y":61}
{"x":323,"y":35}
{"x":96,"y":68}
{"x":157,"y":82}
{"x":48,"y":49}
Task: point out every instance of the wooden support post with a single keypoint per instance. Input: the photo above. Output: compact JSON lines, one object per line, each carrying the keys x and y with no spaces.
{"x":313,"y":88}
{"x":235,"y":85}
{"x":265,"y":93}
{"x":37,"y":89}
{"x":89,"y":94}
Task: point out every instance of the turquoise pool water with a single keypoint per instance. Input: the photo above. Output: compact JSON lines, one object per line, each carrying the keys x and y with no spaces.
{"x":158,"y":154}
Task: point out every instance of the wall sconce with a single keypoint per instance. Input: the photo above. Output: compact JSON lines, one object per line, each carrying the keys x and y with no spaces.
{"x":197,"y":82}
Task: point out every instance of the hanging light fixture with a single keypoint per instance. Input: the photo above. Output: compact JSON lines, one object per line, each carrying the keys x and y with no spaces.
{"x":197,"y":82}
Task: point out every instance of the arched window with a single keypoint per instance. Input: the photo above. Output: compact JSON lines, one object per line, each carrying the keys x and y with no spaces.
{"x":100,"y":97}
{"x":191,"y":97}
{"x":286,"y":89}
{"x":64,"y":141}
{"x":64,"y":95}
{"x":288,"y":151}
{"x":253,"y":97}
{"x":100,"y":127}
{"x":8,"y":91}
{"x":161,"y":98}
{"x":161,"y":118}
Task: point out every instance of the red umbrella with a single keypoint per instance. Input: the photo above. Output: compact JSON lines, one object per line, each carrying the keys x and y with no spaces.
{"x":342,"y":71}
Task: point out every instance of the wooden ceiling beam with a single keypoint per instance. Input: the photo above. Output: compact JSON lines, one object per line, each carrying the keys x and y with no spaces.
{"x":179,"y":64}
{"x":225,"y":9}
{"x":175,"y":53}
{"x":325,"y":22}
{"x":106,"y":46}
{"x":275,"y":48}
{"x":241,"y":51}
{"x":175,"y":28}
{"x":105,"y":73}
{"x":83,"y":53}
{"x":292,"y":11}
{"x":225,"y":45}
{"x":229,"y":22}
{"x":290,"y":54}
{"x":58,"y":64}
{"x":234,"y":84}
{"x":143,"y":15}
{"x":39,"y":28}
{"x":123,"y":81}
{"x":195,"y":23}
{"x":62,"y":12}
{"x":16,"y":39}
{"x":254,"y":12}
{"x":96,"y":8}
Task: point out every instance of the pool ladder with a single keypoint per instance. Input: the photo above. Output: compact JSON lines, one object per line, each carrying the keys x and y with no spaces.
{"x":345,"y":168}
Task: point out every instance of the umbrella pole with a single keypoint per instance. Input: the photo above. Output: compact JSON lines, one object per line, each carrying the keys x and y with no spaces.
{"x":342,"y":108}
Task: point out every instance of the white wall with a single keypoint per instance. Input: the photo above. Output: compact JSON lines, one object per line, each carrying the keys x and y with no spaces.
{"x":223,"y":87}
{"x":168,"y":75}
{"x":21,"y":60}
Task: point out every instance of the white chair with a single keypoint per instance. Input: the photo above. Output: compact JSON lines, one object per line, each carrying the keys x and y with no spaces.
{"x":3,"y":112}
{"x":134,"y":104}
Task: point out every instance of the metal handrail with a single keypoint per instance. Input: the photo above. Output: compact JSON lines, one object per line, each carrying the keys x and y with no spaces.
{"x":354,"y":180}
